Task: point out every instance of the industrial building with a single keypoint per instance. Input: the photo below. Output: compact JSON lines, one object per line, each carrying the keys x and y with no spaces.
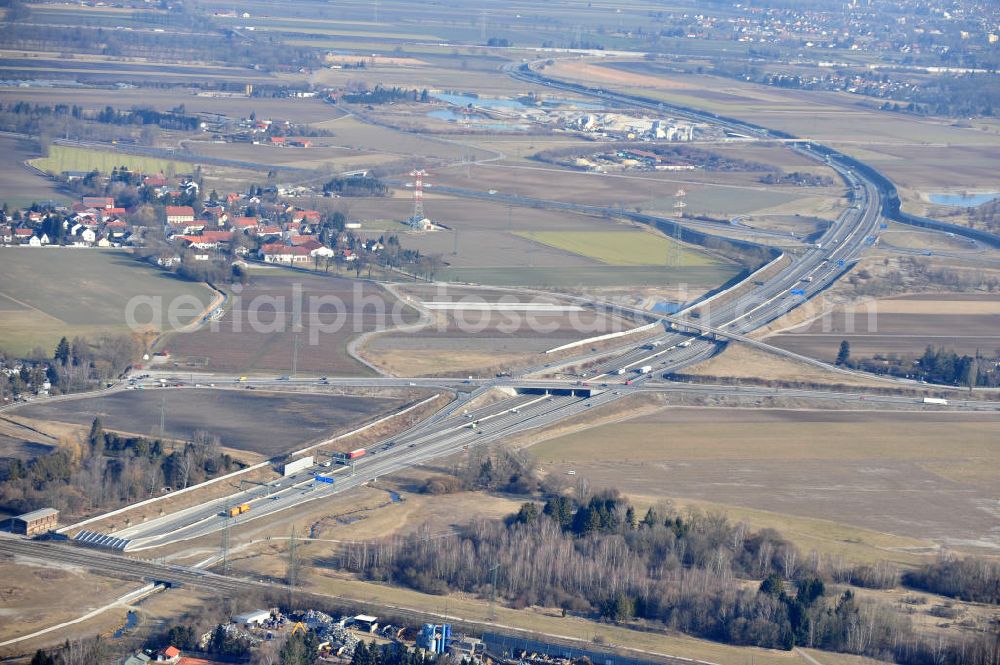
{"x":435,"y":637}
{"x":252,"y":618}
{"x":365,"y":622}
{"x":38,"y":521}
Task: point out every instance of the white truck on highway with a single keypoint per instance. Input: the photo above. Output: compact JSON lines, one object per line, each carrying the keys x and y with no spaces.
{"x":620,"y":371}
{"x":935,"y":400}
{"x":645,"y":369}
{"x":685,"y":344}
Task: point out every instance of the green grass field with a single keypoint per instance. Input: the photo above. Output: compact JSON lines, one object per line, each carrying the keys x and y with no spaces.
{"x":46,"y":293}
{"x":65,"y":158}
{"x":622,"y":248}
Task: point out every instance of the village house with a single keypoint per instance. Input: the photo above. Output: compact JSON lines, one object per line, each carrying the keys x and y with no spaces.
{"x":281,"y":253}
{"x":98,"y":202}
{"x":245,"y":224}
{"x":216,"y":215}
{"x":269,"y":232}
{"x":86,"y":237}
{"x":180,"y":214}
{"x":306,"y":216}
{"x":169,"y":655}
{"x":207,"y":240}
{"x":110,"y":213}
{"x":117,"y":229}
{"x":184,"y":228}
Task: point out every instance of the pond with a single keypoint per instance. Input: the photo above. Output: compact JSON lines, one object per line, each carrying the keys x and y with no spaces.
{"x":498,"y":103}
{"x":131,"y":621}
{"x":485,"y":102}
{"x":963,"y":200}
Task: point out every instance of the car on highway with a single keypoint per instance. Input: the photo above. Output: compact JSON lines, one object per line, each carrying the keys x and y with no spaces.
{"x":283,"y":378}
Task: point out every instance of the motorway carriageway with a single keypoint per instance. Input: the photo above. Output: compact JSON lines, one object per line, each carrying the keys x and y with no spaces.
{"x":407,"y":450}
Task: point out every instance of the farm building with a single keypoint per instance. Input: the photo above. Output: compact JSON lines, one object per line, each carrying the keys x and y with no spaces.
{"x":35,"y":522}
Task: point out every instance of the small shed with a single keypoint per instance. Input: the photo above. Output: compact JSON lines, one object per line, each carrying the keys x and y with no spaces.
{"x":36,"y":522}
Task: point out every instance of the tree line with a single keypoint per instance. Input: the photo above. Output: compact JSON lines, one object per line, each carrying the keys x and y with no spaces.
{"x":356,"y":185}
{"x":385,"y":95}
{"x":936,"y":365}
{"x":108,"y":470}
{"x":970,"y":579}
{"x":598,"y":558}
{"x":74,"y":366}
{"x":174,"y":119}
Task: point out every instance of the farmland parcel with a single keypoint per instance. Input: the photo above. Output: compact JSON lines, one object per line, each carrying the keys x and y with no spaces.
{"x":49,"y":293}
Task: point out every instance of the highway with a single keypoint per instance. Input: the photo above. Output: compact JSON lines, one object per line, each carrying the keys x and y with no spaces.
{"x":401,"y":452}
{"x":703,"y":331}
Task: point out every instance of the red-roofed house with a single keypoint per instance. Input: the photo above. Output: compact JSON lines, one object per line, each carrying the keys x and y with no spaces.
{"x":300,"y":241}
{"x":111,"y":213}
{"x":174,"y":228}
{"x":117,"y":229}
{"x":244,"y":223}
{"x":155,"y":181}
{"x":278,"y":140}
{"x":299,"y":143}
{"x":279,"y":253}
{"x":98,"y":202}
{"x":207,"y":240}
{"x":307,"y":216}
{"x":177,"y":214}
{"x":169,"y":655}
